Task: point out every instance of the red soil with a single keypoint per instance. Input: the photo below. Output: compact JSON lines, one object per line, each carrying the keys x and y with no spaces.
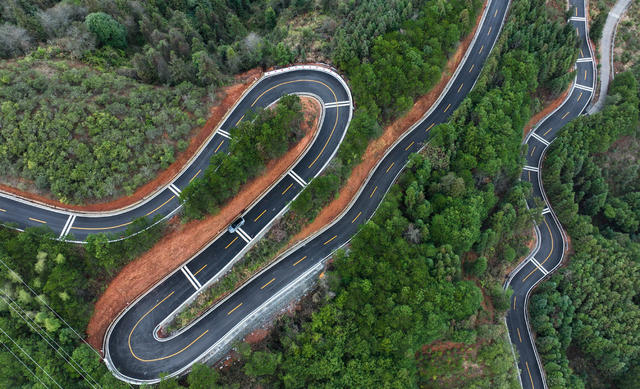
{"x":228,"y":96}
{"x":184,"y":240}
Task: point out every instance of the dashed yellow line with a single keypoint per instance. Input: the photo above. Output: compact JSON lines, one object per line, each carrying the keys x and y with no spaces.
{"x":335,"y":236}
{"x":446,"y":109}
{"x":550,"y":128}
{"x":585,"y":74}
{"x":199,"y":270}
{"x":529,"y":371}
{"x":356,"y":218}
{"x":390,"y":166}
{"x":265,"y":285}
{"x":231,"y":311}
{"x":471,"y":68}
{"x":489,"y":33}
{"x":519,"y":337}
{"x":579,"y":96}
{"x":529,"y":171}
{"x":290,"y":185}
{"x":431,"y":126}
{"x":239,"y":120}
{"x":460,"y":87}
{"x":195,"y":175}
{"x":374,"y":191}
{"x":300,"y":260}
{"x":230,"y":243}
{"x":548,"y":256}
{"x":37,"y":220}
{"x":259,"y":216}
{"x":480,"y":52}
{"x":411,"y":144}
{"x":514,"y":302}
{"x":565,"y":115}
{"x":533,"y":150}
{"x":160,"y":206}
{"x":495,"y":14}
{"x":100,"y":228}
{"x":217,"y":148}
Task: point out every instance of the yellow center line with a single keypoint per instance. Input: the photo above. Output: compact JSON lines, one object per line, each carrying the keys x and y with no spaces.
{"x":519,"y":337}
{"x":533,"y":150}
{"x":411,"y":144}
{"x":495,"y":14}
{"x":577,"y":32}
{"x":514,"y":302}
{"x":585,"y":74}
{"x":259,"y":216}
{"x":195,"y":175}
{"x":239,"y":120}
{"x":199,"y":270}
{"x":576,"y":11}
{"x":446,"y":109}
{"x":230,"y":243}
{"x":38,"y":220}
{"x":290,"y":185}
{"x":565,"y":115}
{"x":217,"y":148}
{"x":231,"y":311}
{"x":480,"y":52}
{"x":165,"y":357}
{"x":301,"y":259}
{"x":529,"y":371}
{"x":390,"y":166}
{"x":548,"y":256}
{"x":431,"y":126}
{"x":460,"y":87}
{"x":471,"y":68}
{"x":550,"y":128}
{"x":529,"y":171}
{"x":489,"y":33}
{"x":335,"y":236}
{"x":356,"y":218}
{"x":160,"y":206}
{"x":100,"y":228}
{"x":265,"y":285}
{"x":581,"y":53}
{"x":579,"y":96}
{"x":374,"y":191}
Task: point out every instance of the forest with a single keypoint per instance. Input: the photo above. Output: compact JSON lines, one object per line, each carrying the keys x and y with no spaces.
{"x":586,"y":317}
{"x":428,"y":267}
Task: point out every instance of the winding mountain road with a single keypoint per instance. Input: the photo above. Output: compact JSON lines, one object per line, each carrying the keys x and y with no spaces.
{"x":133,"y":351}
{"x":552,"y":242}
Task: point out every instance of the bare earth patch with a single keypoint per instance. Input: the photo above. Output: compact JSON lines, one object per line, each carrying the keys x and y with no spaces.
{"x":185,"y":240}
{"x":228,"y":97}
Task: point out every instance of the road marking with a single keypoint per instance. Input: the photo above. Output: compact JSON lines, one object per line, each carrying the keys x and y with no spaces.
{"x":100,"y":228}
{"x":374,"y":191}
{"x":298,"y":179}
{"x":514,"y":302}
{"x":431,"y":126}
{"x":563,"y":116}
{"x":239,"y":120}
{"x":199,"y":270}
{"x":390,"y":166}
{"x":337,"y":104}
{"x":265,"y":285}
{"x":196,"y":285}
{"x":165,"y":357}
{"x":577,"y":32}
{"x":576,"y":11}
{"x":527,"y":363}
{"x":495,"y":13}
{"x":335,"y":236}
{"x":539,"y":266}
{"x":290,"y":185}
{"x":541,"y":139}
{"x":300,"y":260}
{"x":472,"y":66}
{"x":67,"y":226}
{"x":231,"y":311}
{"x":480,"y":52}
{"x":530,"y":168}
{"x":446,"y":109}
{"x":579,"y":96}
{"x":490,"y":28}
{"x":356,"y":218}
{"x":519,"y":337}
{"x":581,"y":53}
{"x":195,"y":175}
{"x":411,"y":144}
{"x":230,"y":243}
{"x":529,"y":175}
{"x":546,"y":210}
{"x":224,"y":133}
{"x":460,"y":87}
{"x":174,"y":189}
{"x":548,"y":256}
{"x":588,"y":89}
{"x":217,"y":148}
{"x":533,"y":150}
{"x":586,"y":59}
{"x":38,"y":220}
{"x":549,"y":130}
{"x":3,"y":210}
{"x":246,"y":237}
{"x":259,"y":216}
{"x":577,"y":19}
{"x":160,"y":206}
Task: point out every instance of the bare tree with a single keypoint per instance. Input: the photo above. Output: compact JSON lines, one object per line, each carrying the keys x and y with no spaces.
{"x":14,"y":41}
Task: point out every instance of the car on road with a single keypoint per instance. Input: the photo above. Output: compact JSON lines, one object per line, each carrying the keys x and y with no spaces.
{"x":233,"y":227}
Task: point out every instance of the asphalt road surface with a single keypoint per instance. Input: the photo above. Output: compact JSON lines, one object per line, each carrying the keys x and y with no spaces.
{"x":548,"y":255}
